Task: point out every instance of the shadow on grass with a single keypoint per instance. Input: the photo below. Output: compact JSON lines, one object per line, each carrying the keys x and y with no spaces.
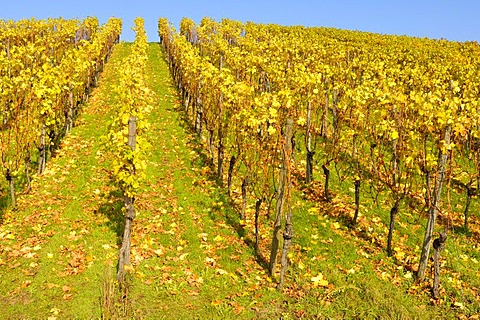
{"x":469,"y":232}
{"x":232,"y":217}
{"x":463,"y":231}
{"x":111,"y":208}
{"x":315,"y":193}
{"x":231,"y":213}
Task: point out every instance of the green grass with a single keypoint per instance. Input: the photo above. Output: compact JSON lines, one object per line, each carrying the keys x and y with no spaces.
{"x":192,"y":257}
{"x":61,"y":224}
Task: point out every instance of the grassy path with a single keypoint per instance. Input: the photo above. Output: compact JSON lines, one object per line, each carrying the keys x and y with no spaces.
{"x":195,"y":263}
{"x":190,"y":258}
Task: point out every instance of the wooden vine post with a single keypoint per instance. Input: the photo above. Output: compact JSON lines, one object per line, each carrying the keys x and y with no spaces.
{"x":42,"y":150}
{"x":438,"y":245}
{"x":124,"y":257}
{"x":308,"y":142}
{"x":434,"y":205}
{"x":11,"y":184}
{"x":288,"y":232}
{"x":283,"y":197}
{"x":357,"y":185}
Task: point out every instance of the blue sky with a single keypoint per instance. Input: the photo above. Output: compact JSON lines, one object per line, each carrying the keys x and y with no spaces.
{"x":454,"y":19}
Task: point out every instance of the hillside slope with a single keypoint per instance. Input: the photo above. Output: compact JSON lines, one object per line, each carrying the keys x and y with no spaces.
{"x":192,"y":255}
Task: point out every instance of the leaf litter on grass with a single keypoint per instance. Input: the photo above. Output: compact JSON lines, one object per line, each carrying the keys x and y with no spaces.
{"x":51,"y":254}
{"x":191,"y":255}
{"x":225,"y":247}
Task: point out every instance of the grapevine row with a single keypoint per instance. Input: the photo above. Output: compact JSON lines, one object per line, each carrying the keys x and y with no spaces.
{"x":125,"y":137}
{"x":398,"y":115}
{"x":243,"y":124}
{"x":47,"y":70}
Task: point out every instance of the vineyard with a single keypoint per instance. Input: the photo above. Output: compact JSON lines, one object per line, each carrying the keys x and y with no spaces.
{"x":237,"y":170}
{"x":48,"y":68}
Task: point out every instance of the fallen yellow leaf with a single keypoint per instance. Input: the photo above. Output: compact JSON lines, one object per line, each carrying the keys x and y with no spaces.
{"x":319,"y":280}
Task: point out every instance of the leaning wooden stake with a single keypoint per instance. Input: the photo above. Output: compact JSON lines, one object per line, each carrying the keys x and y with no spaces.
{"x":43,"y":151}
{"x":438,"y":245}
{"x":287,"y":241}
{"x":357,"y":184}
{"x":69,"y":114}
{"x":393,"y":214}
{"x":11,"y":183}
{"x":308,"y":143}
{"x":470,"y":193}
{"x":258,"y":203}
{"x":326,"y":172}
{"x":434,"y":205}
{"x":230,"y":174}
{"x":282,"y":196}
{"x":288,"y":232}
{"x":124,"y":256}
{"x":244,"y":197}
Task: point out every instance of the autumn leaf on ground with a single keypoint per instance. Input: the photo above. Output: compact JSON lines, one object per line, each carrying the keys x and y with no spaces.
{"x":319,"y":280}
